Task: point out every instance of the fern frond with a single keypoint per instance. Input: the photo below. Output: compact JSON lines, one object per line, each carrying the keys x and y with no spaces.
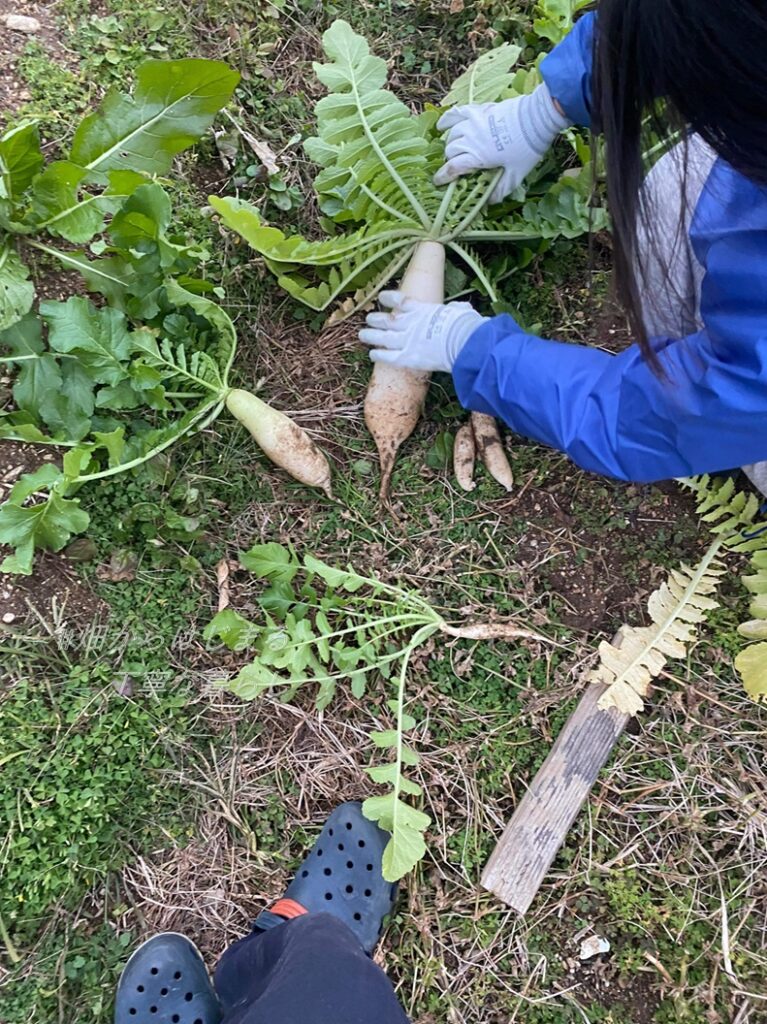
{"x":676,"y":610}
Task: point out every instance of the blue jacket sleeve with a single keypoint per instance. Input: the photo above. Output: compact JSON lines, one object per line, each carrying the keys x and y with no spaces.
{"x":610,"y":413}
{"x":567,"y":71}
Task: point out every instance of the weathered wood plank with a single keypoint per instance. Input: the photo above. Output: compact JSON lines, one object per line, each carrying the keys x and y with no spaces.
{"x":543,"y":818}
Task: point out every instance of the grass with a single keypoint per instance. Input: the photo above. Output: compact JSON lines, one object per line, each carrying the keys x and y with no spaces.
{"x":138,"y":798}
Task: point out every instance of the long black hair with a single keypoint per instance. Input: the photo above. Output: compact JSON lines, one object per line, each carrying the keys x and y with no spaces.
{"x":664,"y":66}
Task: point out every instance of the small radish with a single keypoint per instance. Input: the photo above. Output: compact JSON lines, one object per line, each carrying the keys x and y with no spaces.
{"x":464,"y":456}
{"x":282,"y":440}
{"x":395,"y":397}
{"x":491,"y":450}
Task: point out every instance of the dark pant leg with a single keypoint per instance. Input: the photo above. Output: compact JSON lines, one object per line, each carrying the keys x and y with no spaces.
{"x":311,"y":970}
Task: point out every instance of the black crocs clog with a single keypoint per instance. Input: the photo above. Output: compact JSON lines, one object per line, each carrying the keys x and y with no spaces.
{"x":166,"y":982}
{"x":342,"y":875}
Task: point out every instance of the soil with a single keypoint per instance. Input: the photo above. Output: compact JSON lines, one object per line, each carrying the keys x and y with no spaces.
{"x":596,"y":578}
{"x":13,"y":94}
{"x":599,"y":982}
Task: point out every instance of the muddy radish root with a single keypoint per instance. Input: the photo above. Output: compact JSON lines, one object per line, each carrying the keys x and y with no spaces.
{"x":395,"y":397}
{"x":393,"y":407}
{"x":464,"y":457}
{"x":282,"y":440}
{"x":491,"y":450}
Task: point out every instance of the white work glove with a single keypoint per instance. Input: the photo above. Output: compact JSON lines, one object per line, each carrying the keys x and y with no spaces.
{"x":419,"y":335}
{"x":513,"y":135}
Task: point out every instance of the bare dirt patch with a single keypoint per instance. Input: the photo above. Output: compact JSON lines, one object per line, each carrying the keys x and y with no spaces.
{"x":13,"y":93}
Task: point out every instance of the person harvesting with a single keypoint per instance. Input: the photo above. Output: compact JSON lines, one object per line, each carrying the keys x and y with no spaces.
{"x":689,"y":239}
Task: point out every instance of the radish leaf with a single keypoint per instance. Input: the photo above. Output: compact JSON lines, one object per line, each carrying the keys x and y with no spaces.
{"x":17,"y":292}
{"x":173,"y":104}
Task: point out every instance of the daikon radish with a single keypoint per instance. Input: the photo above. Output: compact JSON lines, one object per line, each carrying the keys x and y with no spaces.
{"x":395,"y":397}
{"x":464,"y":456}
{"x":283,"y":441}
{"x":490,"y":449}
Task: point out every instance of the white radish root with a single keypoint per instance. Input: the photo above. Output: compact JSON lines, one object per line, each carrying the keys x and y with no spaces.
{"x":464,"y":457}
{"x":395,"y":396}
{"x":282,"y":440}
{"x":490,"y":449}
{"x":493,"y":631}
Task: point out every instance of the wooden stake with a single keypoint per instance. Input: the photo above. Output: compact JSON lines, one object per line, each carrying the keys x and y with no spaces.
{"x":543,"y":818}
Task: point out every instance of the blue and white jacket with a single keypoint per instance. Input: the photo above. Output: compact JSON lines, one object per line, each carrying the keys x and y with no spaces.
{"x":610,"y":413}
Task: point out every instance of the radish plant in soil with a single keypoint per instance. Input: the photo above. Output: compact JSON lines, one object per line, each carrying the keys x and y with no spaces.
{"x":114,"y":383}
{"x":322,"y":627}
{"x":384,"y":216}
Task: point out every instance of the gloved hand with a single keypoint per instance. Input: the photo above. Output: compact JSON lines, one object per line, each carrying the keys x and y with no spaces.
{"x":419,"y":335}
{"x":513,"y":135}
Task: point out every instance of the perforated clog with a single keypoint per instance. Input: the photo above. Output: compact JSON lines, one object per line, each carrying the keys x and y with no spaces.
{"x":166,"y":982}
{"x":342,"y":875}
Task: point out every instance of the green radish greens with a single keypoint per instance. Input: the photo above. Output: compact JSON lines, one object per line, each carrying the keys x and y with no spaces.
{"x":115,"y":383}
{"x":380,"y":209}
{"x":321,"y":626}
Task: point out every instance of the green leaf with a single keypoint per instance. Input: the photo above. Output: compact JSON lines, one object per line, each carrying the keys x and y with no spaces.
{"x":57,"y":203}
{"x":38,"y":382}
{"x":76,"y":401}
{"x":173,"y":105}
{"x":406,"y":825}
{"x":440,"y":455}
{"x":270,"y":562}
{"x":20,"y":160}
{"x":218,"y":318}
{"x":114,"y":442}
{"x":253,"y":680}
{"x":76,"y":461}
{"x":278,"y":599}
{"x":358,"y":682}
{"x":14,"y":427}
{"x":17,"y":292}
{"x":752,"y":666}
{"x":98,"y":337}
{"x":40,"y":479}
{"x":232,"y":629}
{"x":58,"y":393}
{"x":367,"y":138}
{"x":122,"y":396}
{"x":342,"y":263}
{"x":385,"y":738}
{"x":754,"y":630}
{"x":556,"y":18}
{"x":142,"y":223}
{"x":49,"y":524}
{"x":387,"y":775}
{"x":488,"y":79}
{"x":338,"y":579}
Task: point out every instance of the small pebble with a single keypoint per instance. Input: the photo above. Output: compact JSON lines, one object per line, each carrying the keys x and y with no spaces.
{"x":21,"y":23}
{"x":9,"y":617}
